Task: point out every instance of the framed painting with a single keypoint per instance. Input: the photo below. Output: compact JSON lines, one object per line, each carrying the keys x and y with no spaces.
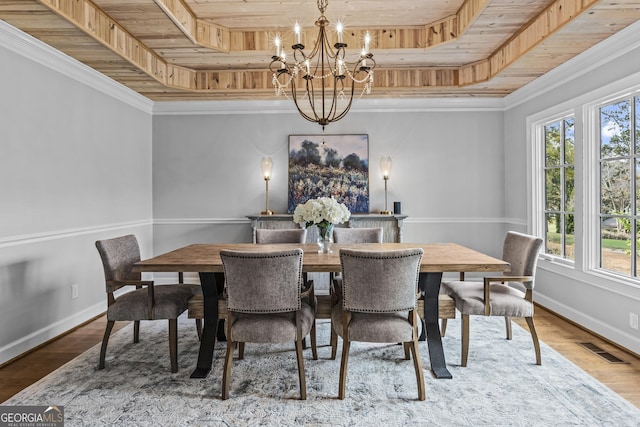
{"x":329,"y":166}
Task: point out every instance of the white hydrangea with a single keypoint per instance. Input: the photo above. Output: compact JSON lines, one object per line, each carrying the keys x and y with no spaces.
{"x":323,"y":210}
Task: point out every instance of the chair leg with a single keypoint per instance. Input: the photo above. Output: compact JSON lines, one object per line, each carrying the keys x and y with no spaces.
{"x":199,"y":328}
{"x":342,"y":386}
{"x":226,"y":375}
{"x":406,"y":350}
{"x":136,"y":331}
{"x":507,"y":322}
{"x":417,"y":364}
{"x":334,"y":344}
{"x":534,"y":336}
{"x":314,"y":346}
{"x":443,"y":327}
{"x":105,"y":341}
{"x":173,"y":344}
{"x":301,"y":376}
{"x":240,"y":351}
{"x":465,"y":340}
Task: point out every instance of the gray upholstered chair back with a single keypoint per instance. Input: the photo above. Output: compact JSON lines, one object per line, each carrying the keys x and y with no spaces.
{"x":380,"y":281}
{"x":357,"y":235}
{"x":263,"y":282}
{"x":521,"y":251}
{"x":118,"y":256}
{"x":293,"y":235}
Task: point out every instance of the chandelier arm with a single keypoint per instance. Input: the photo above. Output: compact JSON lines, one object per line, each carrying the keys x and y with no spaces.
{"x":348,"y":107}
{"x":311,"y":94}
{"x":302,"y":113}
{"x":334,"y":101}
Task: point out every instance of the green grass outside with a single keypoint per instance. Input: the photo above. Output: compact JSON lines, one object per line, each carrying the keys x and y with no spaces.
{"x":606,"y":243}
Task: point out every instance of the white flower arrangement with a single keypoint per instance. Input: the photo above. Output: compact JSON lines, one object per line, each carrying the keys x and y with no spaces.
{"x":323,"y":211}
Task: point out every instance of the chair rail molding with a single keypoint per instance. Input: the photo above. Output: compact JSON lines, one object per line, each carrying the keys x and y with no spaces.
{"x":71,"y":232}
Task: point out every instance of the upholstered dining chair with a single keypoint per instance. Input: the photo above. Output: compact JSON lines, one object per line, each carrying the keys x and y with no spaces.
{"x":266,"y":303}
{"x":508,"y":296}
{"x":284,"y":235}
{"x":146,"y":302}
{"x":357,"y":235}
{"x":263,"y":236}
{"x":379,"y":290}
{"x":347,"y":235}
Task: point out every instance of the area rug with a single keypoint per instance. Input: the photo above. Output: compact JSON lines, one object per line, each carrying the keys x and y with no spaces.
{"x":501,"y":386}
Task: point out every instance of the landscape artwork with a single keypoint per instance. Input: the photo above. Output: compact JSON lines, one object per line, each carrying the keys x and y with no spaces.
{"x":329,"y":166}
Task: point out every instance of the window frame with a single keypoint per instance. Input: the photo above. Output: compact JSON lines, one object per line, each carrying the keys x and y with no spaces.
{"x":594,"y":163}
{"x":585,"y":108}
{"x":539,"y":211}
{"x":562,"y":167}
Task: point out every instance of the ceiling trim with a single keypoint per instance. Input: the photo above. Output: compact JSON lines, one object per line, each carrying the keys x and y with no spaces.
{"x":387,"y":105}
{"x":27,"y":46}
{"x":618,"y":44}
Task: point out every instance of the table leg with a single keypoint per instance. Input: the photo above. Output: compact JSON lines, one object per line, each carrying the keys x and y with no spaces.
{"x":430,"y":287}
{"x":210,"y":283}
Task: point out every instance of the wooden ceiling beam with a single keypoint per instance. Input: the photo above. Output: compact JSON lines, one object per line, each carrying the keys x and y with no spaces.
{"x":555,"y":16}
{"x":93,"y":21}
{"x":200,"y":32}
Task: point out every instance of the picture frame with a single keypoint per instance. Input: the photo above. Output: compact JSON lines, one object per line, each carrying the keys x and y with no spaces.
{"x":329,"y":166}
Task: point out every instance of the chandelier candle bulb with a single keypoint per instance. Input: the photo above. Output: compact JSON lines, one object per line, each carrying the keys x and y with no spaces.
{"x":296,"y":29}
{"x":339,"y":29}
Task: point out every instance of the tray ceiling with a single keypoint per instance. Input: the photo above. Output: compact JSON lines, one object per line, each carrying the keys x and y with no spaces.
{"x":220,"y":49}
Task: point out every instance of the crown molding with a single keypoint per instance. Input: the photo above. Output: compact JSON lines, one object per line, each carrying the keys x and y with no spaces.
{"x":33,"y":49}
{"x":619,"y":44}
{"x":359,"y":106}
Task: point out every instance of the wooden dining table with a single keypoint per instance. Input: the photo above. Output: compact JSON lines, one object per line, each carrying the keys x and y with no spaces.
{"x":438,"y":258}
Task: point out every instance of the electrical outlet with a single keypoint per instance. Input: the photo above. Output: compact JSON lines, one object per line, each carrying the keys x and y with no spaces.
{"x":74,"y":294}
{"x":633,"y":321}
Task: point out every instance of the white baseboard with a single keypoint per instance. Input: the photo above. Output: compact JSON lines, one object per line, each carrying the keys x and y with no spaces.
{"x":34,"y":339}
{"x":620,"y":338}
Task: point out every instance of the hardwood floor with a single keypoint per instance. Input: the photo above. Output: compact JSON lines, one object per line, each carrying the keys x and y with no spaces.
{"x":559,"y":334}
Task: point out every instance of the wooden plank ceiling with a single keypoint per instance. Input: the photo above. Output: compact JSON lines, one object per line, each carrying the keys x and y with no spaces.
{"x":221,"y":49}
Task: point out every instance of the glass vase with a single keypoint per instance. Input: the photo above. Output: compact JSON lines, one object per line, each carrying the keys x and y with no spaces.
{"x":325,"y":238}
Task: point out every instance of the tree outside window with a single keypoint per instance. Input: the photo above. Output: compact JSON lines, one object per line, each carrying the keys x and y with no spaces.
{"x":559,"y":188}
{"x":619,"y":186}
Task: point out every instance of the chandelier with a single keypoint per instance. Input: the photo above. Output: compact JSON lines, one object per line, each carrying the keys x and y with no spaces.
{"x":322,"y":82}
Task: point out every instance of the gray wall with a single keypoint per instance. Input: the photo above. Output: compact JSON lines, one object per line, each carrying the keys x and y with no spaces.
{"x":599,"y":302}
{"x":207,"y":177}
{"x":74,"y":168}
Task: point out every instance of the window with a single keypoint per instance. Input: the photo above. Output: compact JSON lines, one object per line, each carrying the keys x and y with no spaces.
{"x":619,"y":160}
{"x":559,"y":204}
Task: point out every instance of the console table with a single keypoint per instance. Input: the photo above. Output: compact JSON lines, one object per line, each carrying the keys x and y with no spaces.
{"x":391,"y":225}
